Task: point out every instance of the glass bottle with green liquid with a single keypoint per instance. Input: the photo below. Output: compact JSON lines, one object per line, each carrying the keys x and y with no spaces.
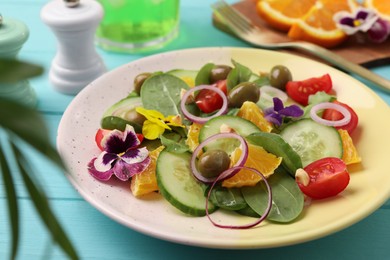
{"x":137,"y":25}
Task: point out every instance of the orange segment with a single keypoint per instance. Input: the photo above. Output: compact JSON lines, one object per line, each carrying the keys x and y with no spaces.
{"x":307,"y":20}
{"x":318,"y":26}
{"x":380,"y":6}
{"x":282,"y":14}
{"x":146,"y":182}
{"x":259,"y":159}
{"x":250,"y":111}
{"x":350,"y":154}
{"x":193,"y":136}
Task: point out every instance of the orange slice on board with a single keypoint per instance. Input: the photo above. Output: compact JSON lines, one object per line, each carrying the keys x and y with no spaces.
{"x":313,"y":22}
{"x":146,"y":182}
{"x":258,"y":158}
{"x":382,"y":7}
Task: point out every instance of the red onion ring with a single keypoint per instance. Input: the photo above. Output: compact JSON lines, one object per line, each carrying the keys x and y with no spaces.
{"x":328,"y":105}
{"x":202,"y":120}
{"x":228,"y":172}
{"x":269,"y":92}
{"x":241,"y":161}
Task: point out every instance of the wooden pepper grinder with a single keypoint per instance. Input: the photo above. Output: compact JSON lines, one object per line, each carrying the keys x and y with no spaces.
{"x":13,"y":34}
{"x":76,"y":63}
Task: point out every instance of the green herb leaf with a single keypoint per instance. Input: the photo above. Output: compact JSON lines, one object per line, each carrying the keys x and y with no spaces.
{"x":174,"y":143}
{"x":161,"y":92}
{"x":13,"y":207}
{"x":42,"y":206}
{"x":12,"y":71}
{"x":27,"y":124}
{"x":203,"y":76}
{"x":238,"y":74}
{"x":287,"y":198}
{"x":230,"y":199}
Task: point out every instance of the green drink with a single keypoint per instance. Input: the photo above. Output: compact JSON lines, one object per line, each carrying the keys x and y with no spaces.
{"x":137,"y":25}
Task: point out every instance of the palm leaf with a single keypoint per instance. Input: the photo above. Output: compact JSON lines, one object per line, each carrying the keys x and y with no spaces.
{"x":13,"y":208}
{"x":12,"y":71}
{"x":28,"y":125}
{"x":42,"y":206}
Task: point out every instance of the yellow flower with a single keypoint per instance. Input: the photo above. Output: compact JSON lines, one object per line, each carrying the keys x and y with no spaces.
{"x":156,"y":124}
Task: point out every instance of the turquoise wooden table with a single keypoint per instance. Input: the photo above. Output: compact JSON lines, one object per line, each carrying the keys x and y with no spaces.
{"x":94,"y":235}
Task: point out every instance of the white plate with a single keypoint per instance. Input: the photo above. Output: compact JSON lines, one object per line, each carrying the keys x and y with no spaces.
{"x":369,"y":186}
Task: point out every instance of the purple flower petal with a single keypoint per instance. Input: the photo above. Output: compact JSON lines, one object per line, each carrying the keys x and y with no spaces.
{"x":118,"y":142}
{"x":293,"y":111}
{"x":135,"y":155}
{"x":104,"y":161}
{"x":274,"y":118}
{"x":124,"y":171}
{"x":278,"y":104}
{"x":101,"y":176}
{"x":379,"y":31}
{"x":348,"y":21}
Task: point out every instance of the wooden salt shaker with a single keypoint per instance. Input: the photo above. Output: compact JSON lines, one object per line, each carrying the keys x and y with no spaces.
{"x":13,"y":34}
{"x":76,"y":63}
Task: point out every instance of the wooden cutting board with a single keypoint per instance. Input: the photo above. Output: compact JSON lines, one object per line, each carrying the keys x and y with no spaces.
{"x":367,"y":54}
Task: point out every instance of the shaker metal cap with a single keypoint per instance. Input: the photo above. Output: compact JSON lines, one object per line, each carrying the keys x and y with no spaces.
{"x":72,"y":3}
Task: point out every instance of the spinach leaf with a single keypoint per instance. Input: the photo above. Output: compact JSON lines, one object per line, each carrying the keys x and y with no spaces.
{"x":225,"y":198}
{"x":161,"y":92}
{"x":287,"y":199}
{"x":174,"y":142}
{"x":238,"y":74}
{"x":203,"y":76}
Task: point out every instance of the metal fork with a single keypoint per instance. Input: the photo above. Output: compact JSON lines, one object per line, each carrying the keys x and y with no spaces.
{"x":244,"y":29}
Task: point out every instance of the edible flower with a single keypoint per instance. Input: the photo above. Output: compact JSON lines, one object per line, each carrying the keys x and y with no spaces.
{"x":156,"y":124}
{"x":121,"y":156}
{"x":276,"y":113}
{"x":363,"y":20}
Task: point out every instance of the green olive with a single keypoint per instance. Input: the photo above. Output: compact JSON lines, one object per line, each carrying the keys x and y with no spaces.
{"x":279,"y":77}
{"x":212,"y":163}
{"x":219,"y":72}
{"x":245,"y":91}
{"x":139,"y":80}
{"x":135,"y":117}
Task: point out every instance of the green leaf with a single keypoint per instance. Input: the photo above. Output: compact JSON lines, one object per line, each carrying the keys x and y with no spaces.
{"x":12,"y":71}
{"x":27,"y":124}
{"x":227,"y":198}
{"x":42,"y":206}
{"x":287,"y":198}
{"x":203,"y":76}
{"x":174,"y":143}
{"x":13,"y":208}
{"x":238,"y":74}
{"x":161,"y":92}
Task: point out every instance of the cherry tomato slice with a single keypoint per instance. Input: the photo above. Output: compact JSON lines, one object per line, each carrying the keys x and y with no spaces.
{"x":328,"y":177}
{"x":209,"y":101}
{"x":300,"y":91}
{"x":334,"y":115}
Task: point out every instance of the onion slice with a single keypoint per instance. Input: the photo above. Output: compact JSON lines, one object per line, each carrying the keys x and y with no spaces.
{"x":241,"y":161}
{"x":229,"y":172}
{"x":269,"y":92}
{"x":328,"y":105}
{"x":202,"y":120}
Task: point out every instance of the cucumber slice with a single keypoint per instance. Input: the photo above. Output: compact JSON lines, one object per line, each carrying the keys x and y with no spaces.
{"x":240,"y":125}
{"x":122,"y":107}
{"x":178,"y":186}
{"x":313,"y":141}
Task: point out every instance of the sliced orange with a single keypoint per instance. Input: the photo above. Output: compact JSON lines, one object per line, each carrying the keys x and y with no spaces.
{"x":258,"y":158}
{"x":350,"y":154}
{"x":308,"y":20}
{"x":146,"y":182}
{"x":282,"y":14}
{"x":250,"y":111}
{"x":193,"y":136}
{"x":382,"y":7}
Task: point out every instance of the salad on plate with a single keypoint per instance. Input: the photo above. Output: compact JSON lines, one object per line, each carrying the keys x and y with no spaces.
{"x":259,"y":144}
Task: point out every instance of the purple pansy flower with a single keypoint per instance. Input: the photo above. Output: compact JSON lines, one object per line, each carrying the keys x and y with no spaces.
{"x":121,"y":156}
{"x":276,"y":113}
{"x":363,"y":20}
